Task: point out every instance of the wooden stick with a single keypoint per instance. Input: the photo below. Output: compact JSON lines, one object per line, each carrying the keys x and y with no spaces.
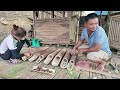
{"x":96,"y":71}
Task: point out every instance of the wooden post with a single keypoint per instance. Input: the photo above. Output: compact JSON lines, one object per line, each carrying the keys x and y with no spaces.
{"x":63,"y":13}
{"x":52,"y":14}
{"x":100,"y":18}
{"x":69,"y":14}
{"x":108,"y":21}
{"x":34,"y":17}
{"x":42,"y":14}
{"x":78,"y":28}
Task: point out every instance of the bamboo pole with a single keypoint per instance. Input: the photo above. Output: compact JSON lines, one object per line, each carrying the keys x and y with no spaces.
{"x":37,"y":54}
{"x":58,"y":57}
{"x":65,"y":59}
{"x":51,"y":56}
{"x":43,"y":56}
{"x":71,"y":63}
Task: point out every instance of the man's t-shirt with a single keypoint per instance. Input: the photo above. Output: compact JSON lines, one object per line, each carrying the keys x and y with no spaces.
{"x":98,"y":36}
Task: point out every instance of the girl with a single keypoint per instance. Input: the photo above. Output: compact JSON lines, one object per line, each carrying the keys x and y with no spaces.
{"x":11,"y":45}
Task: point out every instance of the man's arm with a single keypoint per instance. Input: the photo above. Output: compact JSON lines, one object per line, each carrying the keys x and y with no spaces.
{"x":76,"y":46}
{"x":96,"y":48}
{"x":79,"y":43}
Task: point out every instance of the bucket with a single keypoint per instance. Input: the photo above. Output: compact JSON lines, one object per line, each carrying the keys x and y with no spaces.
{"x":36,"y":42}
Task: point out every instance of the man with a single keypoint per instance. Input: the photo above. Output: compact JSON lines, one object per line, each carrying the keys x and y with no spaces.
{"x":98,"y":50}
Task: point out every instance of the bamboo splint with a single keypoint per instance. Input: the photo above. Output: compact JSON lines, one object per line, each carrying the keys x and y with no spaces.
{"x":37,"y":54}
{"x":99,"y":72}
{"x":58,"y":57}
{"x":71,"y":63}
{"x":43,"y":56}
{"x":51,"y":56}
{"x":65,"y":60}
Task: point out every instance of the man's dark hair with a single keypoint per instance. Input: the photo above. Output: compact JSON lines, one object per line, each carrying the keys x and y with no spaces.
{"x":82,"y":21}
{"x":91,"y":16}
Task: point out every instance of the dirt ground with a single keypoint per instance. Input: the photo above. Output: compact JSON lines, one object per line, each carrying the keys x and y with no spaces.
{"x":19,"y":18}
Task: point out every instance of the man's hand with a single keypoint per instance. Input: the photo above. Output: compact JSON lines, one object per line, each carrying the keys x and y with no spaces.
{"x":74,"y":51}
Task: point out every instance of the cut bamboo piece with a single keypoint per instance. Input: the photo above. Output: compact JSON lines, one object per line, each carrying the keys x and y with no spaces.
{"x":37,"y":54}
{"x":51,"y":56}
{"x":65,"y":60}
{"x":58,"y":57}
{"x":34,"y":57}
{"x":71,"y":63}
{"x":24,"y":58}
{"x":41,"y":57}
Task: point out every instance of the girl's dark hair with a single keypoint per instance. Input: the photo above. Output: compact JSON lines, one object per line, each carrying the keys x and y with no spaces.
{"x":91,"y":16}
{"x":18,"y":31}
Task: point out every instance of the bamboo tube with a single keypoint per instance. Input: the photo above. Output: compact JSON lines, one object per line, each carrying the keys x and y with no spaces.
{"x":58,"y":57}
{"x":71,"y":63}
{"x":65,"y":60}
{"x":37,"y":54}
{"x":34,"y":57}
{"x":41,"y":57}
{"x":51,"y":56}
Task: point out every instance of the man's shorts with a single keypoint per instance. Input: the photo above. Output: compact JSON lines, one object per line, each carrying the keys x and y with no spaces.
{"x":100,"y":55}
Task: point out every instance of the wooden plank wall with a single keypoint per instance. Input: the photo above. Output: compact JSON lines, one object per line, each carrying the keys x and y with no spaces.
{"x":114,"y":32}
{"x":53,"y":30}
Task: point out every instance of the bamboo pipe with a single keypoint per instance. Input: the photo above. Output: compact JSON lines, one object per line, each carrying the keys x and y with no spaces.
{"x":37,"y":54}
{"x":34,"y":57}
{"x":58,"y":57}
{"x":51,"y":56}
{"x":71,"y":63}
{"x":65,"y":60}
{"x":43,"y":56}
